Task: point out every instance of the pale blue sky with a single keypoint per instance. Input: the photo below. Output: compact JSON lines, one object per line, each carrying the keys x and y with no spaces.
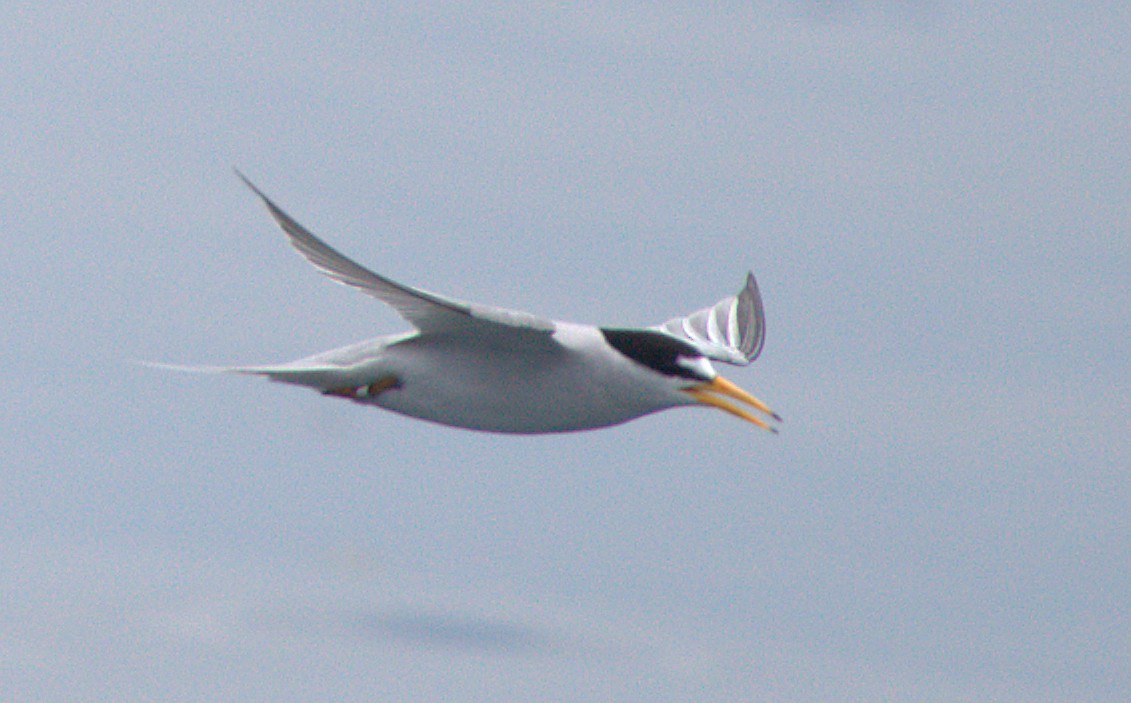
{"x":935,"y":200}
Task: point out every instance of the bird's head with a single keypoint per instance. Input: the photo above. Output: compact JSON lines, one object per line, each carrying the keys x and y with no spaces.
{"x":688,"y":371}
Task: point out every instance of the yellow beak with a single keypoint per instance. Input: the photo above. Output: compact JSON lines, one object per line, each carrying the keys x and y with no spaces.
{"x":709,"y":394}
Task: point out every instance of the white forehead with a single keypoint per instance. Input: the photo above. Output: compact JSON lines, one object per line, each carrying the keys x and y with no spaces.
{"x":700,"y":365}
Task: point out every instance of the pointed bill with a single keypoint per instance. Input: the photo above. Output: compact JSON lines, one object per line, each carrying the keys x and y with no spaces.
{"x":715,"y":393}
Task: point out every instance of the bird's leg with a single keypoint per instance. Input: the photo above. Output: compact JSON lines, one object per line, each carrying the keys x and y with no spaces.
{"x":367,"y":391}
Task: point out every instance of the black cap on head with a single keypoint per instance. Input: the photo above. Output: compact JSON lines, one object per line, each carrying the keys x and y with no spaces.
{"x":658,"y":351}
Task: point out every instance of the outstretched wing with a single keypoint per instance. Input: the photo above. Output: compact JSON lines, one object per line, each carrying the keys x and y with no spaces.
{"x":732,"y":330}
{"x":428,"y":312}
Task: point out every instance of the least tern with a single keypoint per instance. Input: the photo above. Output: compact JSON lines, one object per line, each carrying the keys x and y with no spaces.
{"x":487,"y":368}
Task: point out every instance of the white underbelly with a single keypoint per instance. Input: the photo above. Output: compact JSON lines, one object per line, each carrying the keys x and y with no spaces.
{"x":520,"y":391}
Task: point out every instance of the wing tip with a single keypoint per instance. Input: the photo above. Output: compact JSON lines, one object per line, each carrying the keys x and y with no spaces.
{"x":247,"y":181}
{"x":751,"y":283}
{"x":274,"y":209}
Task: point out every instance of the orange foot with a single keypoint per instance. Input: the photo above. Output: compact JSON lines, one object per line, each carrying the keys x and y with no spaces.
{"x":368,"y":391}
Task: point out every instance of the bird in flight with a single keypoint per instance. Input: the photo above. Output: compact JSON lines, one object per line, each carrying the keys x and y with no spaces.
{"x":496,"y":370}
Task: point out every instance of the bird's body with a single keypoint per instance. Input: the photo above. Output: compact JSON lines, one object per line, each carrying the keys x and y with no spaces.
{"x":569,"y":380}
{"x":486,"y":368}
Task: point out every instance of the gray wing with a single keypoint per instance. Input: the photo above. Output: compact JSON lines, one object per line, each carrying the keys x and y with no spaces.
{"x":428,"y":312}
{"x":732,"y":330}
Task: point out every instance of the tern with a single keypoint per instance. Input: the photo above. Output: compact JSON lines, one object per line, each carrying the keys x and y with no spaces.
{"x":487,"y":368}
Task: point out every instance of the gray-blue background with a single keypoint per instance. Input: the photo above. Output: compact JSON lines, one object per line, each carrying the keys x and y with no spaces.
{"x":934,"y":196}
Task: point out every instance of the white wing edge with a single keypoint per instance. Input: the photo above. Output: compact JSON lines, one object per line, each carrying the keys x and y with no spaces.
{"x":732,"y":330}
